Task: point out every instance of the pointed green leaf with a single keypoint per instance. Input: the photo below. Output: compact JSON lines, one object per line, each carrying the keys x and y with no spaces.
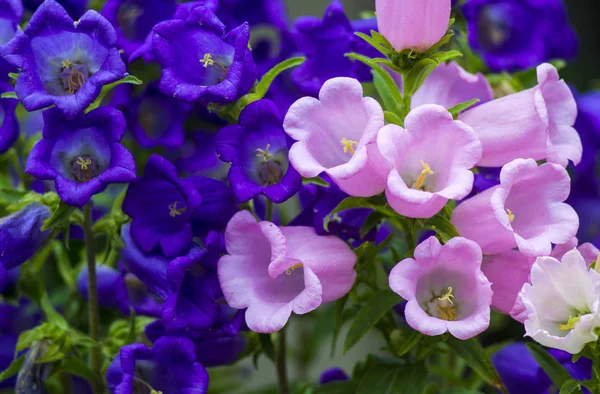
{"x":12,"y":369}
{"x":268,"y":348}
{"x":61,"y":214}
{"x":571,"y":387}
{"x":476,"y":357}
{"x":442,"y":57}
{"x":442,"y":226}
{"x":77,"y":367}
{"x":417,"y":75}
{"x":370,"y":313}
{"x":12,"y":95}
{"x":392,"y":118}
{"x":555,"y":371}
{"x":458,"y":108}
{"x":315,"y":181}
{"x":13,"y":76}
{"x":130,"y":79}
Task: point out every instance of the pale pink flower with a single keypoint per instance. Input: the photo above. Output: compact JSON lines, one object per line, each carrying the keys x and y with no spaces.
{"x":536,"y":123}
{"x":431,"y":160}
{"x":337,"y":134}
{"x":274,"y":271}
{"x":414,"y":24}
{"x":526,"y":210}
{"x":445,"y":288}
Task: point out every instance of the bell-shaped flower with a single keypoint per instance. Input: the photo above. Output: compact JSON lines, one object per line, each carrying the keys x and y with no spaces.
{"x":445,"y":288}
{"x":257,"y":149}
{"x":82,"y":155}
{"x":560,"y":307}
{"x":410,"y":24}
{"x":536,"y":123}
{"x":337,"y":135}
{"x":64,"y":62}
{"x":274,"y":271}
{"x":526,"y":210}
{"x":431,"y":160}
{"x":200,"y":61}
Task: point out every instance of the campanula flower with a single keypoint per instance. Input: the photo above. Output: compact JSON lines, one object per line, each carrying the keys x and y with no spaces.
{"x":169,"y":367}
{"x":10,"y":17}
{"x":518,"y":34}
{"x":274,"y":271}
{"x":560,"y":307}
{"x":536,"y":123}
{"x":443,"y":295}
{"x":75,"y":8}
{"x":217,"y":208}
{"x":257,"y":149}
{"x":325,"y":43}
{"x":82,"y":155}
{"x":9,"y":124}
{"x":200,"y":62}
{"x":337,"y":135}
{"x":63,"y":62}
{"x":431,"y":160}
{"x":161,"y":205}
{"x":526,"y":210}
{"x":21,"y":236}
{"x":409,"y":24}
{"x":333,"y":375}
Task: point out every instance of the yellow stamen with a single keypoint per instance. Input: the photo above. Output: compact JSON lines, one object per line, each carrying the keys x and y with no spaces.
{"x":66,"y":63}
{"x":265,"y":153}
{"x":348,"y":145}
{"x":173,"y":211}
{"x":83,"y":163}
{"x":293,"y":268}
{"x":570,"y":323}
{"x":448,"y":297}
{"x":511,"y":215}
{"x":207,"y":61}
{"x":424,"y":172}
{"x":446,"y":312}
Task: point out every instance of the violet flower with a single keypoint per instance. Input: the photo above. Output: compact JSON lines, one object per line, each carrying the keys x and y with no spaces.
{"x":82,"y":155}
{"x":257,"y":149}
{"x":64,"y":62}
{"x":9,"y":124}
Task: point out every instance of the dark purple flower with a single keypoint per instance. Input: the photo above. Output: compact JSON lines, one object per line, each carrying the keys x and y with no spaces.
{"x":485,"y":178}
{"x":157,"y":120}
{"x":588,"y":127}
{"x":64,"y":63}
{"x":198,"y":156}
{"x":325,"y":42}
{"x":218,"y":206}
{"x":200,"y":61}
{"x":75,"y":8}
{"x":9,"y":124}
{"x":257,"y":149}
{"x":10,"y":280}
{"x":333,"y":375}
{"x":161,"y":206}
{"x":519,"y":34}
{"x":82,"y":155}
{"x":32,"y":123}
{"x":318,"y":202}
{"x":522,"y":374}
{"x":11,"y":12}
{"x":196,"y":298}
{"x":149,"y":268}
{"x":170,"y":367}
{"x":21,"y":236}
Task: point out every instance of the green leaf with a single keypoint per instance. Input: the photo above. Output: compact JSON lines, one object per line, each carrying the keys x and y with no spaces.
{"x":61,"y":214}
{"x":393,"y":378}
{"x":51,"y":314}
{"x":13,"y":76}
{"x":107,"y":88}
{"x":391,"y":86}
{"x":52,"y":354}
{"x":13,"y":368}
{"x":407,"y":345}
{"x":392,"y":118}
{"x":315,"y":181}
{"x":370,"y":223}
{"x":409,"y":380}
{"x":369,"y":40}
{"x":571,"y":387}
{"x":442,"y":226}
{"x":336,"y":388}
{"x":370,"y":313}
{"x":476,"y":357}
{"x":555,"y":371}
{"x":377,"y":203}
{"x":267,"y":346}
{"x":417,"y":75}
{"x":77,"y":367}
{"x":441,"y":57}
{"x":458,"y":108}
{"x":63,"y":263}
{"x":132,"y":327}
{"x":12,"y":95}
{"x":261,"y":88}
{"x":387,"y":98}
{"x":338,"y":321}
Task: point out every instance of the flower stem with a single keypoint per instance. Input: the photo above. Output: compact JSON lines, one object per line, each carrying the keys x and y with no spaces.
{"x":281,"y":364}
{"x":94,"y":316}
{"x":269,"y":211}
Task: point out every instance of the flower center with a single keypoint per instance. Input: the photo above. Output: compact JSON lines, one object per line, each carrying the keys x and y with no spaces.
{"x":84,"y":168}
{"x":421,"y":179}
{"x":208,"y":61}
{"x":293,"y":268}
{"x":442,"y":306}
{"x":174,"y":211}
{"x":270,"y":171}
{"x":570,"y":324}
{"x":493,"y":28}
{"x":511,"y":215}
{"x":140,"y":385}
{"x":73,"y":75}
{"x":349,"y":145}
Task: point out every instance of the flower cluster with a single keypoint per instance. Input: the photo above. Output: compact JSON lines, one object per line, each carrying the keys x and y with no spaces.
{"x":177,"y":189}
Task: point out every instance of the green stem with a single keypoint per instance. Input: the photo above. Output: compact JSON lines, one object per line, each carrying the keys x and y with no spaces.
{"x":281,"y":364}
{"x":269,"y":211}
{"x":94,"y":315}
